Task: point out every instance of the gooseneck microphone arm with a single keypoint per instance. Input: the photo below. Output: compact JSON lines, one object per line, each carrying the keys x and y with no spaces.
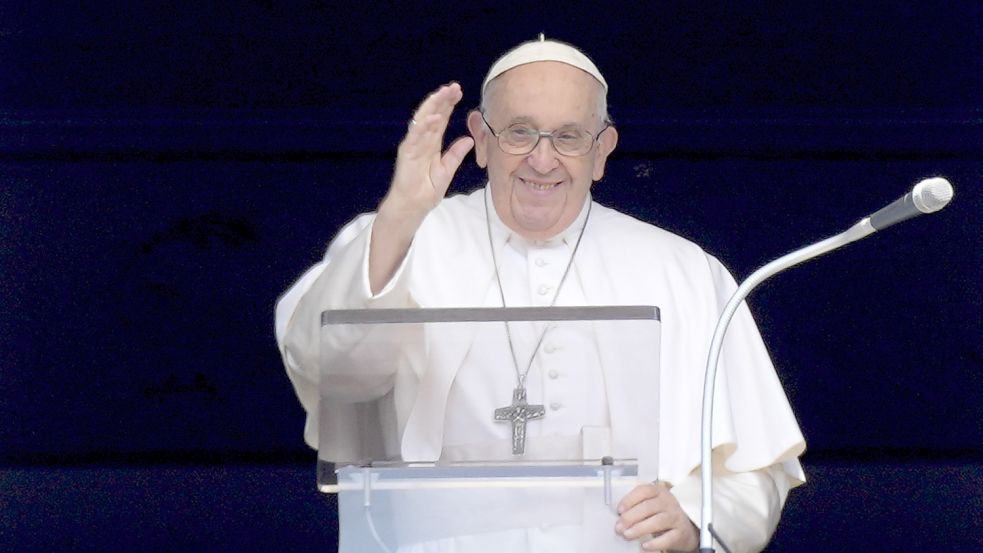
{"x":858,"y":231}
{"x":928,"y":196}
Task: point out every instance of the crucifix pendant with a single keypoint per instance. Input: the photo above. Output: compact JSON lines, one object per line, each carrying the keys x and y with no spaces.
{"x":518,"y":413}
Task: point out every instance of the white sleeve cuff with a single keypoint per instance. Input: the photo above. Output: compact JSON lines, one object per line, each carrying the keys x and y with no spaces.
{"x":746,"y":505}
{"x":395,"y":294}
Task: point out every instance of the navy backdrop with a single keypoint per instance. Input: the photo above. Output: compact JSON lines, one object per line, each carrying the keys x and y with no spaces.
{"x":168,"y":169}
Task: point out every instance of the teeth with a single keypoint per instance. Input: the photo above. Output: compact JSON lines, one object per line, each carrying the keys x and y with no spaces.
{"x":540,"y":186}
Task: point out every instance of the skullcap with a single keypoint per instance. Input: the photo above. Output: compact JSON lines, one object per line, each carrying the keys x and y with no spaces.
{"x":543,"y":50}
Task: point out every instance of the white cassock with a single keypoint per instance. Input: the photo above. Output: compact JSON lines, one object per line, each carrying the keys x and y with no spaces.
{"x":442,"y":410}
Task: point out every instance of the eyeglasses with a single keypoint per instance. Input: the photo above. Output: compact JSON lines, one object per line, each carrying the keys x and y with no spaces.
{"x":520,"y":139}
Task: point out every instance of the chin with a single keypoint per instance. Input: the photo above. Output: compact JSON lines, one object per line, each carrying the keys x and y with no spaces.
{"x":540,"y":224}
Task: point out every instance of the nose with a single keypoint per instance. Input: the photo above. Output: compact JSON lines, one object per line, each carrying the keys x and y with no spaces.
{"x":543,"y":157}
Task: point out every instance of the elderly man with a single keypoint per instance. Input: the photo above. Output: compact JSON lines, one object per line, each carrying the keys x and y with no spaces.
{"x":533,"y":236}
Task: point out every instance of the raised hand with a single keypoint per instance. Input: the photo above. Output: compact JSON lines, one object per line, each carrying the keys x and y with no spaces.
{"x":423,"y":172}
{"x":421,"y":178}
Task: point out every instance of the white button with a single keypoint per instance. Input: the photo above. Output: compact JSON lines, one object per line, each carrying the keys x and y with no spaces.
{"x":550,"y":348}
{"x":540,"y":262}
{"x":554,"y":374}
{"x":556,"y":405}
{"x":543,"y":289}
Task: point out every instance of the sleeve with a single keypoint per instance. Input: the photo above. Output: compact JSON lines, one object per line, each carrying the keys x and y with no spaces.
{"x":753,"y":421}
{"x":755,"y":436}
{"x":359,"y":372}
{"x":746,"y":505}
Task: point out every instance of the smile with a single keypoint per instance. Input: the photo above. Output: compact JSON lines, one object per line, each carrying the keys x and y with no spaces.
{"x":540,"y":186}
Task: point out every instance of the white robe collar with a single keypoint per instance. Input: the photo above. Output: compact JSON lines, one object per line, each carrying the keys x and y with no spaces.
{"x":501,"y":234}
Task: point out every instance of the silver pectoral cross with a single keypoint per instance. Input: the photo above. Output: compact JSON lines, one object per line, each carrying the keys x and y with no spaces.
{"x":518,"y":413}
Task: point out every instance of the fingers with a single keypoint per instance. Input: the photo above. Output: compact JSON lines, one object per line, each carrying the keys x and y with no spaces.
{"x":423,"y":137}
{"x":444,"y":99}
{"x":431,"y":118}
{"x":651,"y":510}
{"x":440,"y":101}
{"x":423,"y":172}
{"x":641,"y":493}
{"x":675,"y":539}
{"x":640,"y":504}
{"x":447,"y":98}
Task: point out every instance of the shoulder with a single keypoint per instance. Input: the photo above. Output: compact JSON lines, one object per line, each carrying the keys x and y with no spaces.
{"x":640,"y":250}
{"x":622,"y":233}
{"x":644,"y":259}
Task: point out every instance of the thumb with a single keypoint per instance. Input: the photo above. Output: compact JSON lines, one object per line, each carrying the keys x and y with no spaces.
{"x":454,"y":155}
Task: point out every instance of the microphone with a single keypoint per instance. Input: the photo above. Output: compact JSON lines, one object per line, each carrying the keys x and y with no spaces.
{"x":928,"y":196}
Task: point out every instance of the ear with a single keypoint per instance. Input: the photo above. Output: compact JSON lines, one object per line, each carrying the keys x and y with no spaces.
{"x":480,"y":133}
{"x":605,"y":145}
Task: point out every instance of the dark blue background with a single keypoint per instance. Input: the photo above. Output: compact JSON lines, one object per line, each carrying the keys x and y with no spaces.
{"x":167,"y":170}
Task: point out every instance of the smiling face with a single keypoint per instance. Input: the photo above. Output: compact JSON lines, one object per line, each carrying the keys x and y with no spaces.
{"x":540,"y":194}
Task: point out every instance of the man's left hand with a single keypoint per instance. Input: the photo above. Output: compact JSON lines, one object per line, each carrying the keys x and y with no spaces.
{"x":650,"y":510}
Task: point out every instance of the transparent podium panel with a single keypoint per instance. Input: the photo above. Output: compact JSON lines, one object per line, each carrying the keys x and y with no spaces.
{"x":479,"y":508}
{"x":444,"y":450}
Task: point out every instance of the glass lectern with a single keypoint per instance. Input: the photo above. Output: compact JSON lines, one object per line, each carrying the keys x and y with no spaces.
{"x":375,"y":366}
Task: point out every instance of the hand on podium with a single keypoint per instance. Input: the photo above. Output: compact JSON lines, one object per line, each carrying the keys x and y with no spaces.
{"x":652,"y":509}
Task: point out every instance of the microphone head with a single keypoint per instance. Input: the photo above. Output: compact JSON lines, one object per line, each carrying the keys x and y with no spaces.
{"x":931,"y":195}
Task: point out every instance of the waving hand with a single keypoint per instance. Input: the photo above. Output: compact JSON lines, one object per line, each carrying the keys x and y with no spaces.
{"x":420,"y":180}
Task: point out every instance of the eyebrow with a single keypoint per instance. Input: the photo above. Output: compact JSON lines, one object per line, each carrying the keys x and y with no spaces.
{"x":526,"y":120}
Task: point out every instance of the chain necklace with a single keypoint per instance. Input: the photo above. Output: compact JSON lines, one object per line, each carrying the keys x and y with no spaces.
{"x":520,"y":411}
